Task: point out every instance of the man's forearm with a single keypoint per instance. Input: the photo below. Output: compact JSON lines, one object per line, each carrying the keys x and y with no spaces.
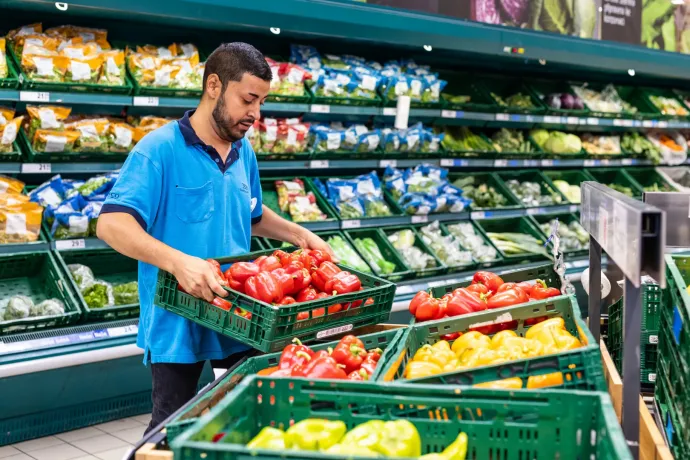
{"x":123,"y":233}
{"x":275,"y":227}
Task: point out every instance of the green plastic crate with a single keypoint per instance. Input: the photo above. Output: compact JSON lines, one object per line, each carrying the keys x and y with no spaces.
{"x":581,"y":368}
{"x":64,"y":87}
{"x":257,"y":245}
{"x":571,"y":176}
{"x":491,"y":180}
{"x":444,"y":232}
{"x":533,"y":175}
{"x":651,"y":316}
{"x":512,"y":225}
{"x":672,"y":424}
{"x":419,"y":243}
{"x":506,"y":87}
{"x":388,"y":199}
{"x":618,"y":176}
{"x":649,"y":177}
{"x":38,"y":276}
{"x":628,"y":94}
{"x":387,"y":251}
{"x":563,"y":219}
{"x":646,"y":93}
{"x":464,"y":84}
{"x":384,"y":340}
{"x":11,"y":81}
{"x":47,"y":157}
{"x":543,"y":88}
{"x":445,"y":227}
{"x":677,"y":306}
{"x":107,"y":265}
{"x":271,"y":327}
{"x":269,"y":196}
{"x":499,"y":424}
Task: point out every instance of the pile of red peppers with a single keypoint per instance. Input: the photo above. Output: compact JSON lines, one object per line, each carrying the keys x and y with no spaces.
{"x":287,"y":278}
{"x":348,"y":360}
{"x":487,"y":291}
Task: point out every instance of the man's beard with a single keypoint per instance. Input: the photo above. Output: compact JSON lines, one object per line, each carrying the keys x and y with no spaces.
{"x":224,"y":125}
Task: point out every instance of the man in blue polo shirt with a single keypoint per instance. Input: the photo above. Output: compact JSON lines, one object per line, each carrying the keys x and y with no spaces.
{"x":189,"y":191}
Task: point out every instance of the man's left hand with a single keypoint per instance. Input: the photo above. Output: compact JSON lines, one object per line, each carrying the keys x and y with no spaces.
{"x":308,"y":240}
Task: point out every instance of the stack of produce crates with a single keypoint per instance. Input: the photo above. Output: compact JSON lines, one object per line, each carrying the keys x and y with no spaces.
{"x":673,"y":377}
{"x":649,"y":338}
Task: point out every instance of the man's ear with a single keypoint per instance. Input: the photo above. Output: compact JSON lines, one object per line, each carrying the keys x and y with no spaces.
{"x":214,"y":87}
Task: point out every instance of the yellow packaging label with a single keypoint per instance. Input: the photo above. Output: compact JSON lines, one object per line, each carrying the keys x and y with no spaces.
{"x":48,"y":140}
{"x":8,"y":132}
{"x":6,"y":115}
{"x":10,"y":185}
{"x":12,"y":199}
{"x":47,"y":113}
{"x":20,"y":223}
{"x":36,"y":28}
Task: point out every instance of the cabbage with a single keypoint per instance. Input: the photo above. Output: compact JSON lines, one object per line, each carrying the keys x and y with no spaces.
{"x":562,"y":143}
{"x":486,"y":11}
{"x":516,"y":10}
{"x":554,"y":16}
{"x":584,"y":18}
{"x":540,"y":136}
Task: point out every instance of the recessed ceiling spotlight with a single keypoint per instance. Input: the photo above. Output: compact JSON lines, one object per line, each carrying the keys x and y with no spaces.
{"x":427,"y":48}
{"x":275,"y":30}
{"x":631,"y":72}
{"x":62,"y":6}
{"x":542,"y":61}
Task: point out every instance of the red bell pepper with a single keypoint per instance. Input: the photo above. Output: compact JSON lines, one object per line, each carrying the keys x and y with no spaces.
{"x":221,"y":303}
{"x":426,"y":307}
{"x":320,"y":256}
{"x":466,"y":301}
{"x":301,"y":316}
{"x":526,"y":286}
{"x":220,"y":277}
{"x":286,"y":280}
{"x":417,"y":300}
{"x":358,"y":375}
{"x":370,"y":301}
{"x":369,"y":366}
{"x":443,"y":306}
{"x":343,"y":283}
{"x":269,"y":264}
{"x":491,"y":280}
{"x":299,"y":371}
{"x":351,"y":356}
{"x":458,"y":306}
{"x":287,"y":300}
{"x":374,"y":354}
{"x":323,"y":274}
{"x":540,"y":291}
{"x":507,"y":298}
{"x":307,"y":295}
{"x":508,"y":286}
{"x":295,"y":354}
{"x":302,"y":279}
{"x":293,"y":265}
{"x":324,"y":368}
{"x":282,"y":256}
{"x":233,"y":283}
{"x":241,"y":271}
{"x":351,"y":340}
{"x":335,"y":308}
{"x":478,"y":288}
{"x":241,"y":312}
{"x":450,"y":337}
{"x":264,"y":287}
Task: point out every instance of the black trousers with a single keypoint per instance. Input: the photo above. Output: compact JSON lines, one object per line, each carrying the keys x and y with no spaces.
{"x":175,"y":384}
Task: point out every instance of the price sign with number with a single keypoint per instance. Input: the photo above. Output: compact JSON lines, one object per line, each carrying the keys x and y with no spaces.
{"x":387,"y":163}
{"x":145,"y":101}
{"x":502,"y":117}
{"x":318,"y":164}
{"x":319,"y":108}
{"x":448,"y":113}
{"x":420,"y":219}
{"x":33,"y":96}
{"x":33,"y":168}
{"x":351,"y":224}
{"x":70,"y":244}
{"x":500,"y":163}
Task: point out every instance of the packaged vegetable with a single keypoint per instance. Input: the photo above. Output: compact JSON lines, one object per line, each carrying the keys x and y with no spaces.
{"x":511,"y":141}
{"x":287,"y":191}
{"x":8,"y":134}
{"x":120,"y":137}
{"x":18,"y":307}
{"x":126,"y":294}
{"x":372,"y":254}
{"x":671,"y":144}
{"x":82,"y":275}
{"x":49,"y":307}
{"x":20,"y":223}
{"x":404,"y":242}
{"x":606,"y":100}
{"x":462,"y":139}
{"x":446,"y":247}
{"x":324,"y":139}
{"x":669,"y":106}
{"x":92,"y":134}
{"x":3,"y":58}
{"x":99,"y":295}
{"x":515,"y":243}
{"x":113,"y":68}
{"x":16,"y":36}
{"x":11,"y":199}
{"x":596,"y":144}
{"x":573,"y":237}
{"x":530,"y":193}
{"x":637,"y":144}
{"x":292,"y":198}
{"x":46,"y":117}
{"x":469,"y":238}
{"x":6,"y":115}
{"x":481,"y":195}
{"x":571,"y":192}
{"x":346,"y":254}
{"x":45,"y":68}
{"x":49,"y":141}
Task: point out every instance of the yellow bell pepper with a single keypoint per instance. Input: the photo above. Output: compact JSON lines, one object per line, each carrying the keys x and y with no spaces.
{"x":557,"y":323}
{"x":441,"y":345}
{"x":451,"y":365}
{"x":421,"y":369}
{"x":498,"y":339}
{"x":513,"y":383}
{"x":545,"y":380}
{"x":565,"y":340}
{"x":472,"y":339}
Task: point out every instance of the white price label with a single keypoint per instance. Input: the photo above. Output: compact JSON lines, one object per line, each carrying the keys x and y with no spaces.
{"x":592,"y":121}
{"x":447,"y":162}
{"x":420,"y":219}
{"x":145,"y":101}
{"x":605,"y":162}
{"x":500,"y":163}
{"x":445,"y":113}
{"x":387,"y":163}
{"x":534,"y":211}
{"x":389,"y":111}
{"x":334,"y":331}
{"x":590,"y":162}
{"x":552,"y":120}
{"x":477,"y":215}
{"x":36,"y":168}
{"x":573,"y":121}
{"x":33,"y":96}
{"x":626,"y":161}
{"x":617,"y":122}
{"x":653,"y":339}
{"x":547,"y":163}
{"x":124,"y":330}
{"x":502,"y":117}
{"x":652,"y":377}
{"x":318,"y":108}
{"x":628,"y":123}
{"x":663,"y":124}
{"x":529,"y":163}
{"x":318,"y":164}
{"x":573,"y":208}
{"x":647,"y":123}
{"x":351,"y":224}
{"x":70,"y":244}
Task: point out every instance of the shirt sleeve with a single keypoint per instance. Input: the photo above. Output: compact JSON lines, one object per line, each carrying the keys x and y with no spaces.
{"x":137,"y":190}
{"x":255,"y":186}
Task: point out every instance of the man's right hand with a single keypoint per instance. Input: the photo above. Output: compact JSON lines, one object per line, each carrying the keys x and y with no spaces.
{"x":197,"y":277}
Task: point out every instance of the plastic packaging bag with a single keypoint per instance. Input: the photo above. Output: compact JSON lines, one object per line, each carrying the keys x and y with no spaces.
{"x":446,"y":248}
{"x":127,"y":293}
{"x":18,"y":307}
{"x":347,"y":255}
{"x":82,"y":276}
{"x":470,"y":239}
{"x":49,"y":307}
{"x":372,"y":254}
{"x":99,"y":295}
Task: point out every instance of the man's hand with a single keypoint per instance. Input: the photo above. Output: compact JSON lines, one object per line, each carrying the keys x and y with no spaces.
{"x":308,"y":240}
{"x":197,"y":277}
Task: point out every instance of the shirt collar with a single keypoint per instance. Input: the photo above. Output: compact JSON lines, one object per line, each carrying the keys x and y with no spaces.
{"x":190,"y":136}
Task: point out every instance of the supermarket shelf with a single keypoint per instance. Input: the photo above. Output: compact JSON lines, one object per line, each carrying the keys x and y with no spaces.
{"x":74,"y":98}
{"x":38,"y":246}
{"x":80,"y":243}
{"x":9,"y":95}
{"x":58,"y":168}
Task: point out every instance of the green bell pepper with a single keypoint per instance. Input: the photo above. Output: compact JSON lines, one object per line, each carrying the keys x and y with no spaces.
{"x":314,"y":434}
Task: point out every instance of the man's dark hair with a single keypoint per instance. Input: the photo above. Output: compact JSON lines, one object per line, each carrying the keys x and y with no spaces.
{"x":230,"y":61}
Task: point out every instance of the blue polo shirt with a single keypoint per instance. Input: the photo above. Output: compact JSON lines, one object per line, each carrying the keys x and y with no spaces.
{"x":183,"y":194}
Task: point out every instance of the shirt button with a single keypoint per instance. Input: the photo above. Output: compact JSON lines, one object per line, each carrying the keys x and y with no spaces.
{"x":217,"y":160}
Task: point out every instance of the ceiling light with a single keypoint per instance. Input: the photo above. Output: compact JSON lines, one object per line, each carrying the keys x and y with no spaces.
{"x":542,"y":61}
{"x":61,"y":6}
{"x":427,"y":48}
{"x":631,"y":72}
{"x":275,"y":30}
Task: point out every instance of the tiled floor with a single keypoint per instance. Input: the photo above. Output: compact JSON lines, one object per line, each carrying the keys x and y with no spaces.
{"x":108,"y":441}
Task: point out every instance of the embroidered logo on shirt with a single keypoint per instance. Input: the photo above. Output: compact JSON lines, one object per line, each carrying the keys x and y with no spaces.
{"x":253,"y":204}
{"x":245,"y":188}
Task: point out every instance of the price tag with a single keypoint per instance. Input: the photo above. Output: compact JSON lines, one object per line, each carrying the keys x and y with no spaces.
{"x":500,"y":163}
{"x":33,"y":96}
{"x":651,"y":377}
{"x":319,"y":108}
{"x":351,"y":224}
{"x":447,"y":162}
{"x":502,"y":117}
{"x":446,"y":113}
{"x":529,"y":119}
{"x":573,"y":208}
{"x":529,"y":163}
{"x":590,"y":162}
{"x":145,"y":101}
{"x":477,"y":215}
{"x":663,"y":124}
{"x":547,"y":163}
{"x":36,"y":168}
{"x":592,"y":121}
{"x":573,"y":121}
{"x":535,"y":211}
{"x":617,"y":122}
{"x":647,"y":123}
{"x":334,"y":331}
{"x":626,"y":161}
{"x":628,"y":122}
{"x":387,"y":163}
{"x":605,"y":162}
{"x":420,"y":219}
{"x":70,"y":244}
{"x":318,"y":164}
{"x":552,"y":120}
{"x":124,"y":330}
{"x":653,"y":339}
{"x":389,"y":111}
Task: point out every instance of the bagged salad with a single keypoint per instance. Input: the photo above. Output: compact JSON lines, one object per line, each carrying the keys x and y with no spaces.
{"x":361,"y":196}
{"x":346,"y":254}
{"x":8,"y":133}
{"x":469,"y":238}
{"x":46,"y":117}
{"x":22,"y":307}
{"x":20,"y":222}
{"x":415,"y":139}
{"x":176,"y":66}
{"x":4,"y":72}
{"x":446,"y":247}
{"x":288,"y":79}
{"x":92,"y":134}
{"x":424,"y":190}
{"x":293,"y":199}
{"x":404,"y":242}
{"x":284,"y":135}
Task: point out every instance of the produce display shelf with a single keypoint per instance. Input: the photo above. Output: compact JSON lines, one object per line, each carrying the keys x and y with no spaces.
{"x":60,"y":97}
